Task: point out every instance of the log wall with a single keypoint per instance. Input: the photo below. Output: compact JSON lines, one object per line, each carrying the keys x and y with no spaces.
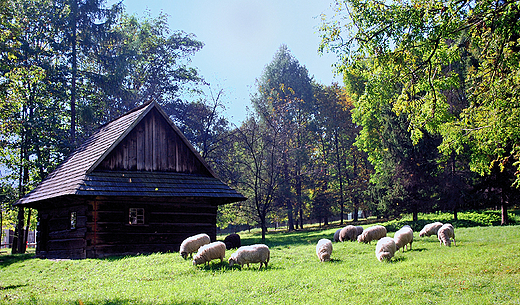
{"x":103,"y":228}
{"x":167,"y":223}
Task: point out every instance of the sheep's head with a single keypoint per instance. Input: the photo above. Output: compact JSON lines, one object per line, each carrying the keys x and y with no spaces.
{"x":387,"y":256}
{"x":325,"y":257}
{"x":184,"y":254}
{"x":232,"y":261}
{"x":197,"y":260}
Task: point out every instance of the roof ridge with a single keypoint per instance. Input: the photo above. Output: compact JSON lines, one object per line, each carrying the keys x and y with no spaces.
{"x":144,"y":105}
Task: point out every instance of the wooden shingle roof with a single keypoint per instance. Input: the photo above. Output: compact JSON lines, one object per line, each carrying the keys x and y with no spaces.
{"x":90,"y":169}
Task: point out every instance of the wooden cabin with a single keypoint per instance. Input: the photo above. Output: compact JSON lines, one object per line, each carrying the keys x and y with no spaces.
{"x":135,"y":186}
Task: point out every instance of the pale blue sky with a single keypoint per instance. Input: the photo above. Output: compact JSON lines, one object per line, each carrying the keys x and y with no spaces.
{"x":241,"y":38}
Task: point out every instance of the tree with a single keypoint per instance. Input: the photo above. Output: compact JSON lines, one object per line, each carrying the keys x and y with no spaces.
{"x":283,"y":99}
{"x":142,"y":60}
{"x":336,"y":132}
{"x":415,"y":46}
{"x":259,"y":155}
{"x":80,"y":25}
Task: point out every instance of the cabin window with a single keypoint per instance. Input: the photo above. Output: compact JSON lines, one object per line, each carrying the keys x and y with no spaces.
{"x":136,"y":216}
{"x":73,"y":220}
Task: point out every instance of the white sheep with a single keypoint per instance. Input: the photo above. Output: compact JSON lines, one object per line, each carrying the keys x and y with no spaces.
{"x":348,"y":233}
{"x":258,"y":253}
{"x":430,"y":229}
{"x":372,"y":233}
{"x":192,"y":244}
{"x":324,"y":250}
{"x":403,"y":237}
{"x":209,"y":252}
{"x":385,"y":249}
{"x":445,"y":234}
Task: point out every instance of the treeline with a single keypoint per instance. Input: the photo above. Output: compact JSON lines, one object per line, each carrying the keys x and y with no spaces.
{"x":426,"y":119}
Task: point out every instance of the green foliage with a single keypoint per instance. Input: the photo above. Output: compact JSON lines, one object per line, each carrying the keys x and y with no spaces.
{"x":481,"y":269}
{"x":464,"y":220}
{"x":452,"y":67}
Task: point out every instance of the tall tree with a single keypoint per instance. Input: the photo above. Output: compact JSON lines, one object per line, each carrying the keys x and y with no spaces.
{"x":84,"y":24}
{"x":284,"y":98}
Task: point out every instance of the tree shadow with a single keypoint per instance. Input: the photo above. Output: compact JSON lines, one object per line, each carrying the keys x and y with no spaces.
{"x":12,"y":287}
{"x":7,"y":260}
{"x":119,"y":301}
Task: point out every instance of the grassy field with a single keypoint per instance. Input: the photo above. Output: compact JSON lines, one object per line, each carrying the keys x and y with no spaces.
{"x":484,"y":268}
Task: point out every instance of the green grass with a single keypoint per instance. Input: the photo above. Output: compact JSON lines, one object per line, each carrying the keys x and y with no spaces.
{"x":484,"y":268}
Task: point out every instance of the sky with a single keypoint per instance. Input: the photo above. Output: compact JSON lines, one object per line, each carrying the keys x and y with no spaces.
{"x":241,"y":37}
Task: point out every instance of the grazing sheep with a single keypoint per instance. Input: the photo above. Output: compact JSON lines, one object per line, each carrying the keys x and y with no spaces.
{"x":430,"y":229}
{"x":445,"y":234}
{"x":232,"y":241}
{"x":192,"y":244}
{"x":336,"y":235}
{"x":403,"y":237}
{"x":372,"y":233}
{"x":359,"y":230}
{"x":385,"y":249}
{"x":210,"y":252}
{"x":258,"y":253}
{"x":348,"y":233}
{"x":324,"y":250}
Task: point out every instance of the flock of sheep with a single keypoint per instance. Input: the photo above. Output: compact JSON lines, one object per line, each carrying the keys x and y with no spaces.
{"x":206,"y":251}
{"x":386,"y":246}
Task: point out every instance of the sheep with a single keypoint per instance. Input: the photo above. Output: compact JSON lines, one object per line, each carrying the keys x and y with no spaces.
{"x":403,"y":237}
{"x":348,"y":233}
{"x":445,"y":233}
{"x":385,"y":249}
{"x":324,"y":250}
{"x":430,"y":229}
{"x":210,"y":252}
{"x":359,"y":230}
{"x":258,"y":253}
{"x":336,"y":235}
{"x":372,"y":233}
{"x":232,"y":241}
{"x":192,"y":244}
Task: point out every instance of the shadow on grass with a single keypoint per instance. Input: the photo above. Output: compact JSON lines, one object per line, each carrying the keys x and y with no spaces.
{"x":224,"y":266}
{"x":7,"y":260}
{"x":398,"y":259}
{"x":12,"y":287}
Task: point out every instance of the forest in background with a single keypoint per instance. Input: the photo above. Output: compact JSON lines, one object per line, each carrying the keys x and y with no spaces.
{"x":426,"y":120}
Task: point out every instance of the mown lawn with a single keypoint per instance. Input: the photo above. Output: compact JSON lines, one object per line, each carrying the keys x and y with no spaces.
{"x":484,"y":268}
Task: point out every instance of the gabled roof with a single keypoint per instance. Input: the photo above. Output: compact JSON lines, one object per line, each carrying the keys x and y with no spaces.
{"x":79,"y":174}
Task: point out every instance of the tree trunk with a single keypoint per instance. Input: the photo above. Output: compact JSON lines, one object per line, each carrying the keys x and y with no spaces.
{"x":290,"y":220}
{"x":263,"y":226}
{"x":18,"y":241}
{"x":26,"y":236}
{"x":340,"y":177}
{"x":503,"y":208}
